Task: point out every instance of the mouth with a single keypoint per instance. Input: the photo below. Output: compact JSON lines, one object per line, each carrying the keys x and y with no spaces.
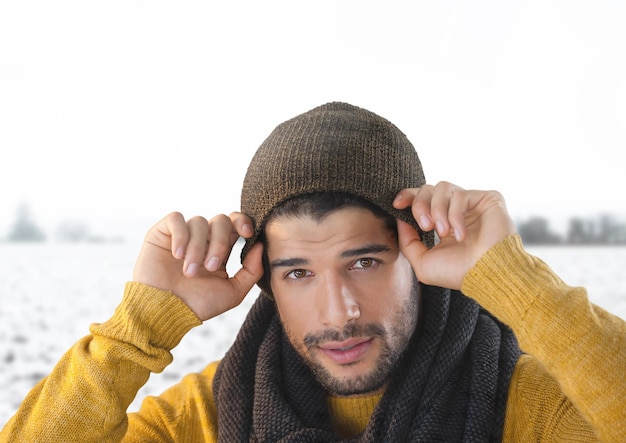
{"x":347,"y":352}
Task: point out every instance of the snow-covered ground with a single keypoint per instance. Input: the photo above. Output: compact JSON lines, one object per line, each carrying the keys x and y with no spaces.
{"x":50,"y":293}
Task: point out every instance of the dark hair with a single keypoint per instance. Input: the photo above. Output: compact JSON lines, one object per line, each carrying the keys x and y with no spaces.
{"x":318,"y":206}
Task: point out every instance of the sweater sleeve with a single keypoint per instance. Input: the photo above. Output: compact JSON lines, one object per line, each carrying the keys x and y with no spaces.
{"x":85,"y":397}
{"x":579,"y":345}
{"x":184,"y":412}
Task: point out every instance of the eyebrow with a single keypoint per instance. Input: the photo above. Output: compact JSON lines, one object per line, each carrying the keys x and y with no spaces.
{"x":350,"y":253}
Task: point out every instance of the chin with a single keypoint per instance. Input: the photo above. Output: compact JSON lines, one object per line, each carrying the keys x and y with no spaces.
{"x":355,"y":382}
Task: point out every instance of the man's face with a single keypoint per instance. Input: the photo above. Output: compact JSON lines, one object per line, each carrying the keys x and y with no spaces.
{"x":346,"y":296}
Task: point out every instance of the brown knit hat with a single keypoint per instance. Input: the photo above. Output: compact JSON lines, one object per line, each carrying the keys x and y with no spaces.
{"x":334,"y":147}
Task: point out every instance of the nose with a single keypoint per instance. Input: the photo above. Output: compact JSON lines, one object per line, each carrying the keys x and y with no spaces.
{"x":337,"y":303}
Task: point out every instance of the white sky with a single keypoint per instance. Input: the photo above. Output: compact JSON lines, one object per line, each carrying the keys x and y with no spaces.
{"x":118,"y":112}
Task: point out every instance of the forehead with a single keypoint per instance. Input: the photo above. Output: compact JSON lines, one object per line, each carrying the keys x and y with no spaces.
{"x":342,"y":226}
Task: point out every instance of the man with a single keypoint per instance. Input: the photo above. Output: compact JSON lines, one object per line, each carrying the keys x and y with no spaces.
{"x":355,"y":335}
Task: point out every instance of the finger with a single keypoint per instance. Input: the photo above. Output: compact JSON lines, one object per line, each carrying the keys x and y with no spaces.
{"x":198,"y":229}
{"x":439,"y":207}
{"x":174,"y":228}
{"x":418,"y":199}
{"x":242,"y":224}
{"x":459,"y":205}
{"x":448,"y":206}
{"x":221,"y":238}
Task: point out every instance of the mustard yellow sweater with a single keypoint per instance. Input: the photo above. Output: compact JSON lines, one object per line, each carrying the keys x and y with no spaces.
{"x":570,"y":385}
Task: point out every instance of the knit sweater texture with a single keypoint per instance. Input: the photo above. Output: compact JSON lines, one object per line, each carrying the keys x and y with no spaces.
{"x":569,"y":385}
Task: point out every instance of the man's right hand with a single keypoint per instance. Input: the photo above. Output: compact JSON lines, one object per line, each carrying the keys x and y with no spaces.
{"x":188,"y":258}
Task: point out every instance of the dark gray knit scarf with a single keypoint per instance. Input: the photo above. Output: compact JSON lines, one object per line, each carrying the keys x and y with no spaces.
{"x":451,"y":385}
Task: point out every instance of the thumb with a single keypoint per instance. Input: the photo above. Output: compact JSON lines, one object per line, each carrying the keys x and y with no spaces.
{"x":251,"y":271}
{"x":410,"y":244}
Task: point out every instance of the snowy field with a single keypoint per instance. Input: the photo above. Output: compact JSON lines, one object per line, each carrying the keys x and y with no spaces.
{"x":50,"y":293}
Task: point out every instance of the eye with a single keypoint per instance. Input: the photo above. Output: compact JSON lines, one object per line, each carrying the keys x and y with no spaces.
{"x":364,"y":263}
{"x":298,"y":274}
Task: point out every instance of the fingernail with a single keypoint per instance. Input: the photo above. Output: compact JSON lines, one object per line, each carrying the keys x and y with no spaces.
{"x":213,"y":264}
{"x":440,"y":227}
{"x":180,"y":252}
{"x":425,"y":222}
{"x":457,"y":235}
{"x":191,"y":269}
{"x":247,"y":230}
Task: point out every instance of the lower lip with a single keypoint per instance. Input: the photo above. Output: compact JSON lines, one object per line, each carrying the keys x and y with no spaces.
{"x":348,"y":356}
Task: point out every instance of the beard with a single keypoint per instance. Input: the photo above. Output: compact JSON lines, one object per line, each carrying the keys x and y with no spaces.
{"x":393,"y":344}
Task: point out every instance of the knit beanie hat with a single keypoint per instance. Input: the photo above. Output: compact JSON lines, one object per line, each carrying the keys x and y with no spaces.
{"x":336,"y":147}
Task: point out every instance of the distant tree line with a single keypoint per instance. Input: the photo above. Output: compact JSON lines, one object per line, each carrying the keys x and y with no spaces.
{"x":600,"y":230}
{"x":26,"y":229}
